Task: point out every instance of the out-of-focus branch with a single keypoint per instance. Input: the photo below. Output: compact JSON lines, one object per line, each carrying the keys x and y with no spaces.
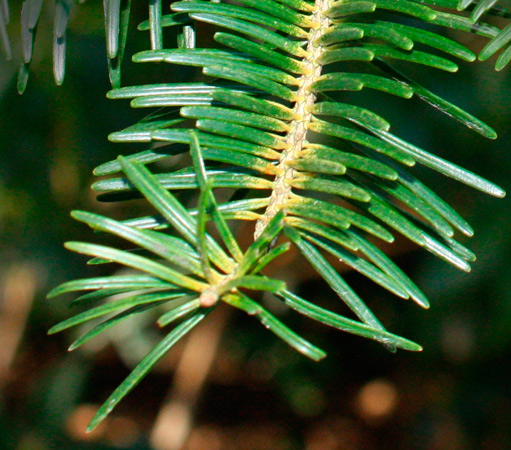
{"x":174,"y":421}
{"x":17,"y":291}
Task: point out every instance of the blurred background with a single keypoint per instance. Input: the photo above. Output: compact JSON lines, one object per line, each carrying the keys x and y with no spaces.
{"x":231,"y":384}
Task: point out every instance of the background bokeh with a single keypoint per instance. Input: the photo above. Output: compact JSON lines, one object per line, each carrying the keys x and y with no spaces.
{"x":232,"y":385}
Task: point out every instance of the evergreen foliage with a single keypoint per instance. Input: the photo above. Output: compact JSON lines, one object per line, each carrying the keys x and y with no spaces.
{"x":269,"y":122}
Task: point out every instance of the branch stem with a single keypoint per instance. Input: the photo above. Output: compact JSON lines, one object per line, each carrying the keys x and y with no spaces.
{"x":296,"y":137}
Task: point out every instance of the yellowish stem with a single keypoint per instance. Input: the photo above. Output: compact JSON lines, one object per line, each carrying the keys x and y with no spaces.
{"x":297,"y":136}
